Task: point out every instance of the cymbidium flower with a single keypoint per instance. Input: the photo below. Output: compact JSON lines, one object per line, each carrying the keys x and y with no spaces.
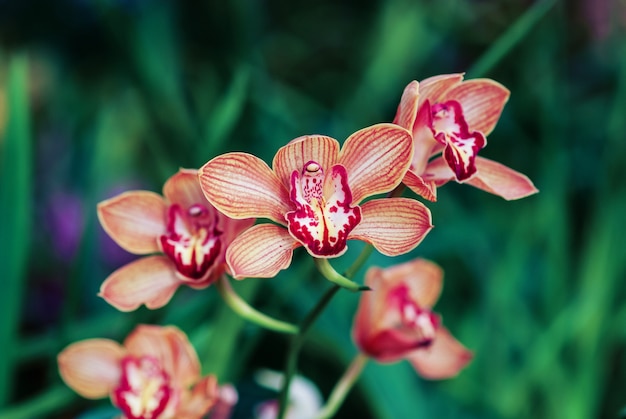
{"x":314,"y":190}
{"x":190,"y":233}
{"x":155,"y":374}
{"x":445,"y":113}
{"x":395,"y":320}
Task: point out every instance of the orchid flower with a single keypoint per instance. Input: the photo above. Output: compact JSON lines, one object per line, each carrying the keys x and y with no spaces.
{"x":449,"y":115}
{"x":395,"y":320}
{"x":155,"y":374}
{"x":191,"y":235}
{"x":313,"y":193}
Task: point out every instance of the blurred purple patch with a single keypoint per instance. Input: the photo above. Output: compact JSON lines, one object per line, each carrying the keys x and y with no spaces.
{"x":66,"y":221}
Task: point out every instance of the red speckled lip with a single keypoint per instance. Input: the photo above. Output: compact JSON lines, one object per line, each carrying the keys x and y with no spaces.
{"x":144,"y":391}
{"x":452,"y":130}
{"x":192,"y":241}
{"x":322,"y":221}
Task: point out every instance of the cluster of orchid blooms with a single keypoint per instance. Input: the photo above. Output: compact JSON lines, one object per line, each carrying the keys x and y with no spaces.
{"x":205,"y":226}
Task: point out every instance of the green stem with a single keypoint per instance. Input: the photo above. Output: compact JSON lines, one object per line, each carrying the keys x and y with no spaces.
{"x":343,"y":386}
{"x":323,"y":265}
{"x":341,"y":281}
{"x":296,"y":345}
{"x":242,"y":308}
{"x":360,"y":261}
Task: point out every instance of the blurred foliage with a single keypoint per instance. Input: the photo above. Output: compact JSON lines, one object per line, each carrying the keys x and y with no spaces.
{"x":101,"y":96}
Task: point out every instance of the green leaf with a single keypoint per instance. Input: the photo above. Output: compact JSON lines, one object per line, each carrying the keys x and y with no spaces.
{"x":15,"y":215}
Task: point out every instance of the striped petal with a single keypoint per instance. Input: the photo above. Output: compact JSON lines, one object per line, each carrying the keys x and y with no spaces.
{"x":242,"y":186}
{"x":170,"y":347}
{"x":500,"y":180}
{"x":407,"y":109}
{"x":425,"y":189}
{"x":445,"y":358}
{"x":135,"y":220}
{"x":376,"y":159}
{"x":394,"y":226}
{"x":184,"y":189}
{"x":490,"y":176}
{"x":295,"y":155}
{"x":91,"y":367}
{"x":434,"y":88}
{"x":151,"y":281}
{"x":482,"y":101}
{"x":260,"y":252}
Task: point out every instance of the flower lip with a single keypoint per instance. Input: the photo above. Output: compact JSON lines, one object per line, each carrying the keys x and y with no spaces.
{"x":323,"y":217}
{"x":418,"y":321}
{"x":144,"y":390}
{"x":192,"y":241}
{"x":451,"y":130}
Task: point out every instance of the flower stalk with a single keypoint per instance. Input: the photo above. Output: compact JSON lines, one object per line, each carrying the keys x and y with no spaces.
{"x":242,"y":308}
{"x":343,"y":386}
{"x":325,"y":268}
{"x":296,"y":345}
{"x":329,"y":272}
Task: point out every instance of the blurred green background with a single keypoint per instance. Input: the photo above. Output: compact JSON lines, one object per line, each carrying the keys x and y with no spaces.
{"x":98,"y":97}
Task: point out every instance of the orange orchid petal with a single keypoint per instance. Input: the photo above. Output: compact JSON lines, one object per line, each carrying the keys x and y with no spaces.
{"x":184,"y":189}
{"x":134,"y":220}
{"x":376,"y":159}
{"x":172,"y":349}
{"x":260,"y":252}
{"x":151,"y":281}
{"x":242,"y":186}
{"x":423,"y":277}
{"x":482,"y":101}
{"x":490,"y":176}
{"x":318,"y":148}
{"x":393,"y":226}
{"x":200,"y":399}
{"x":500,"y":180}
{"x":91,"y":367}
{"x":434,"y":88}
{"x":438,"y":172}
{"x":425,"y":189}
{"x":445,"y":358}
{"x":407,"y":109}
